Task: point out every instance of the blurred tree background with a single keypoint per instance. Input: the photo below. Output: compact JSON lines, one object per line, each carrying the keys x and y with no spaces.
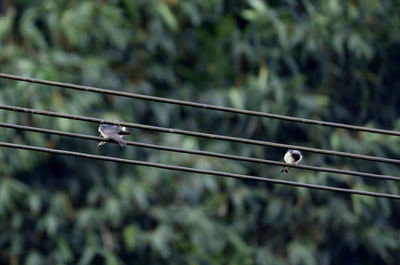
{"x":331,"y":60}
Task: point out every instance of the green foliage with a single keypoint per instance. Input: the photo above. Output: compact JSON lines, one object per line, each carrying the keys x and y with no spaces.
{"x":330,"y":59}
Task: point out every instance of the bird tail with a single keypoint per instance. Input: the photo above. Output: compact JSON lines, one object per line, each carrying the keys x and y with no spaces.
{"x":118,"y":139}
{"x":121,"y":142}
{"x":99,"y":144}
{"x":285,"y":169}
{"x":124,"y":133}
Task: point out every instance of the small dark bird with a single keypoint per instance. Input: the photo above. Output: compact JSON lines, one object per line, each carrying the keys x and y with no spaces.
{"x":113,"y":132}
{"x":291,"y":157}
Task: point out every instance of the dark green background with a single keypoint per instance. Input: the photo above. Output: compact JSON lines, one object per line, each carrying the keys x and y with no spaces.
{"x":330,"y":60}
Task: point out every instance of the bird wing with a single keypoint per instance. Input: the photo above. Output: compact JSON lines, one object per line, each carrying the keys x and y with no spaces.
{"x":109,"y":129}
{"x":301,"y":157}
{"x":106,"y":130}
{"x":118,"y":139}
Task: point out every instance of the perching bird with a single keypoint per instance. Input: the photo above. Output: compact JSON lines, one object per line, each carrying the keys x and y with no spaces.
{"x":291,"y":157}
{"x":113,"y":132}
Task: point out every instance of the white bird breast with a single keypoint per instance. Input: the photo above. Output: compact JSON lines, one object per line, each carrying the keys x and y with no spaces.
{"x":288,"y":158}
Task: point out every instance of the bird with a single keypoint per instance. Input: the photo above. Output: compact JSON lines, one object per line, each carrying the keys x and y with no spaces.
{"x":113,"y":132}
{"x":291,"y":157}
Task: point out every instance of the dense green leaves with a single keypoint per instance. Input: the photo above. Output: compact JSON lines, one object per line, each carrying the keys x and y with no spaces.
{"x":331,"y":59}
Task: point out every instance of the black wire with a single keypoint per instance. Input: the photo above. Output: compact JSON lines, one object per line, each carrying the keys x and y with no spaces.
{"x":203,"y":153}
{"x":198,"y":134}
{"x":200,"y":171}
{"x":200,"y":105}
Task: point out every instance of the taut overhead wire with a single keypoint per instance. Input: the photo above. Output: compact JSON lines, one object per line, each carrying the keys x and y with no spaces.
{"x":199,"y":134}
{"x":199,"y":105}
{"x":201,"y":171}
{"x":203,"y":153}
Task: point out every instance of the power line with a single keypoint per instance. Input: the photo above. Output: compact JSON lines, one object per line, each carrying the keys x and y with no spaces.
{"x":203,"y":153}
{"x":200,"y":171}
{"x":198,"y":134}
{"x":199,"y":105}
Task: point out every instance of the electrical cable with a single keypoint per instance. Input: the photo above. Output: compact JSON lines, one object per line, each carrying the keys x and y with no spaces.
{"x":201,"y":171}
{"x":200,"y":105}
{"x":199,"y":134}
{"x":203,"y":153}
